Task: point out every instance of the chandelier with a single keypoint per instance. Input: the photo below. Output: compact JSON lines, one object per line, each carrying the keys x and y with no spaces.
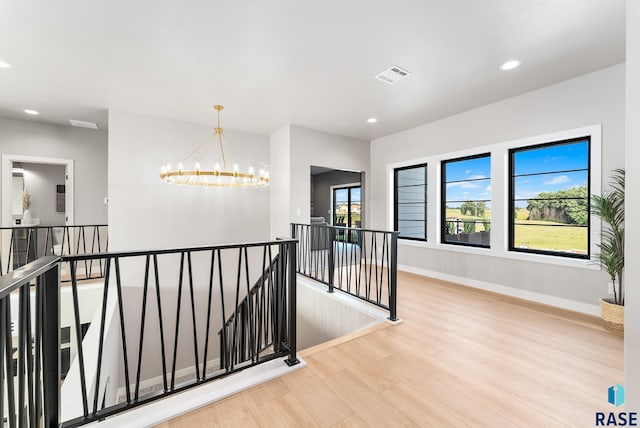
{"x":197,"y":173}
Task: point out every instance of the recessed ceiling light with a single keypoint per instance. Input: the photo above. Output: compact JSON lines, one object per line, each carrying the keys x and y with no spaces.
{"x":4,"y":64}
{"x":31,"y":112}
{"x":510,"y":65}
{"x":372,"y":120}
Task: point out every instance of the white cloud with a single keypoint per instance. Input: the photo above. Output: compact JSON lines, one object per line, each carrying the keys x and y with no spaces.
{"x":463,"y":185}
{"x":559,"y":179}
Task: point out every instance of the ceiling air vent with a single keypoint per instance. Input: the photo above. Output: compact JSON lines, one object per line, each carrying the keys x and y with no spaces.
{"x":82,"y":124}
{"x":392,"y":75}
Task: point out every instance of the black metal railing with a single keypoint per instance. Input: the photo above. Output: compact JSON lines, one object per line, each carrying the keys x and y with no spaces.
{"x":475,"y":232}
{"x":29,"y":352}
{"x":360,"y":262}
{"x":20,"y":245}
{"x":253,"y":326}
{"x":155,"y":344}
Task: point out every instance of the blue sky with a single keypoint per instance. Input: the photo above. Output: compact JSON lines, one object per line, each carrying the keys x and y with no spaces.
{"x":565,"y":157}
{"x":478,"y":170}
{"x":341,"y":195}
{"x":545,"y":160}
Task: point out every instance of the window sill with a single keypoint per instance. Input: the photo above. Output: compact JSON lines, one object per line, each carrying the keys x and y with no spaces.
{"x":491,"y":252}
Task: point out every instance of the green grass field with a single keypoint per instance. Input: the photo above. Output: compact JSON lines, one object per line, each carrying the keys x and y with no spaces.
{"x":553,"y":238}
{"x":543,"y":236}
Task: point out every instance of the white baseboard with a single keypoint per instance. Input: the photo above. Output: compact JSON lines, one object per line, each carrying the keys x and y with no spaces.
{"x":546,"y":299}
{"x":178,"y":404}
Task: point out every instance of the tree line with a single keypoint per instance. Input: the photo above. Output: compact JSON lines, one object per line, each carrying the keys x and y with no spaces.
{"x":574,"y":202}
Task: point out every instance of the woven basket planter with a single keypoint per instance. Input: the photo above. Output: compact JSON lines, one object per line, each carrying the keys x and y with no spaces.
{"x":612,"y":315}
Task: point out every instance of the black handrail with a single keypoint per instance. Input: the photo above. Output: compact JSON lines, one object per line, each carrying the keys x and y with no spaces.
{"x":360,"y":262}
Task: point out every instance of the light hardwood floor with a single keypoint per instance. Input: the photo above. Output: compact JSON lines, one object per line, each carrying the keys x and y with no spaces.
{"x":462,"y":357}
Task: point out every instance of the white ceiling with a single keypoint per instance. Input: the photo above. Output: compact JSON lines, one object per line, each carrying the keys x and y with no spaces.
{"x":279,"y":62}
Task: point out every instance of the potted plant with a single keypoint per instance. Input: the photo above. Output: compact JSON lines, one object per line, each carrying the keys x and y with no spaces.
{"x":610,"y":208}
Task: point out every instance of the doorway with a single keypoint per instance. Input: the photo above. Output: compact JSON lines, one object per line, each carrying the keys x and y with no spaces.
{"x":61,"y":196}
{"x":324,"y":209}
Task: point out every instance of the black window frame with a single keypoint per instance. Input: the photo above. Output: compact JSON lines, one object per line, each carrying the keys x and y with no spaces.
{"x":443,"y":199}
{"x":395,"y":199}
{"x":511,"y":199}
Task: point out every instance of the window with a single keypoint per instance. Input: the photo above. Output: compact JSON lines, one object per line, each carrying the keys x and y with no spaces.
{"x":347,"y":211}
{"x":410,"y":202}
{"x":549,"y":198}
{"x":466,"y":201}
{"x":347,"y":208}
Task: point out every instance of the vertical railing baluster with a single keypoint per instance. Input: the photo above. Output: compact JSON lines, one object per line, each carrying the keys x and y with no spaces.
{"x":38,"y":350}
{"x":3,"y":339}
{"x":100,"y":250}
{"x":373,"y":274}
{"x":12,"y":255}
{"x":209,"y":303}
{"x":251,"y":333}
{"x":11,"y":397}
{"x":161,"y":326}
{"x":235,"y":321}
{"x":277,"y":316}
{"x":93,"y":249}
{"x":29,"y":355}
{"x":8,"y":352}
{"x":270,"y":312}
{"x":382,"y":257}
{"x":47,"y":236}
{"x":292,"y":274}
{"x":175,"y":342}
{"x":87,"y":275}
{"x":193,"y":317}
{"x":22,"y":351}
{"x":27,"y":257}
{"x":145,"y":289}
{"x":224,"y":351}
{"x":78,"y":328}
{"x":331,"y":262}
{"x":101,"y":338}
{"x":125,"y":357}
{"x":260,"y":301}
{"x":393,"y":265}
{"x":51,"y":347}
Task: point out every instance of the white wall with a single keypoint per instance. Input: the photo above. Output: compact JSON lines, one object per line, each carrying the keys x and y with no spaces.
{"x":325,"y":316}
{"x":280,"y":181}
{"x":596,"y":98}
{"x":88,"y":148}
{"x":40,"y":181}
{"x":632,"y":270}
{"x":145,"y":213}
{"x":312,"y":147}
{"x":297,"y":148}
